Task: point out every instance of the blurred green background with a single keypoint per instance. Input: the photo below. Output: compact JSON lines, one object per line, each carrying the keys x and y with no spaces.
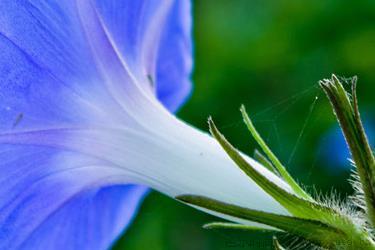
{"x":269,"y":56}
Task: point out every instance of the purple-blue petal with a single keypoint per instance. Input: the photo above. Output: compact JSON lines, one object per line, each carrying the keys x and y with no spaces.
{"x":51,"y":77}
{"x":167,"y":50}
{"x":86,"y":221}
{"x":174,"y":62}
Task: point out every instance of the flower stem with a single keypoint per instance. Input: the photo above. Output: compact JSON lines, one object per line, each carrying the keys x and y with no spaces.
{"x":347,"y":113}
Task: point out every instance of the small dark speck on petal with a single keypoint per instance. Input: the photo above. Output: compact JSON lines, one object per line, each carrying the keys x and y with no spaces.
{"x":151,"y":80}
{"x":18,"y":120}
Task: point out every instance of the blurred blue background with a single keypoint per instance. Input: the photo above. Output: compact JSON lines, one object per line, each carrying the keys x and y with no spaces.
{"x":269,"y":56}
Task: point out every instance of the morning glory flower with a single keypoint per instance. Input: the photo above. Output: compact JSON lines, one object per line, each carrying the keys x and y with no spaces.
{"x":87,"y":91}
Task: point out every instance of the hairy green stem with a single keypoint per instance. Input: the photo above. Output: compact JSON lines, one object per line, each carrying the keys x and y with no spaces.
{"x":347,"y":113}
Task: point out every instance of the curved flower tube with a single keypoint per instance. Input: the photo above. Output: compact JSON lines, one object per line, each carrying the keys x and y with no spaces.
{"x":86,"y":92}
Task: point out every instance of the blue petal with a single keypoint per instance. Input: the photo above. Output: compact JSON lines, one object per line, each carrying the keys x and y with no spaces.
{"x":167,"y":50}
{"x":94,"y":215}
{"x":42,"y":188}
{"x":174,"y":63}
{"x":70,"y":64}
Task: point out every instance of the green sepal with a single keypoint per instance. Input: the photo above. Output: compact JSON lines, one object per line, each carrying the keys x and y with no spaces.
{"x":297,"y":206}
{"x":235,"y":226}
{"x":314,"y":231}
{"x":275,"y":161}
{"x":347,"y":113}
{"x":277,"y":245}
{"x":259,"y":157}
